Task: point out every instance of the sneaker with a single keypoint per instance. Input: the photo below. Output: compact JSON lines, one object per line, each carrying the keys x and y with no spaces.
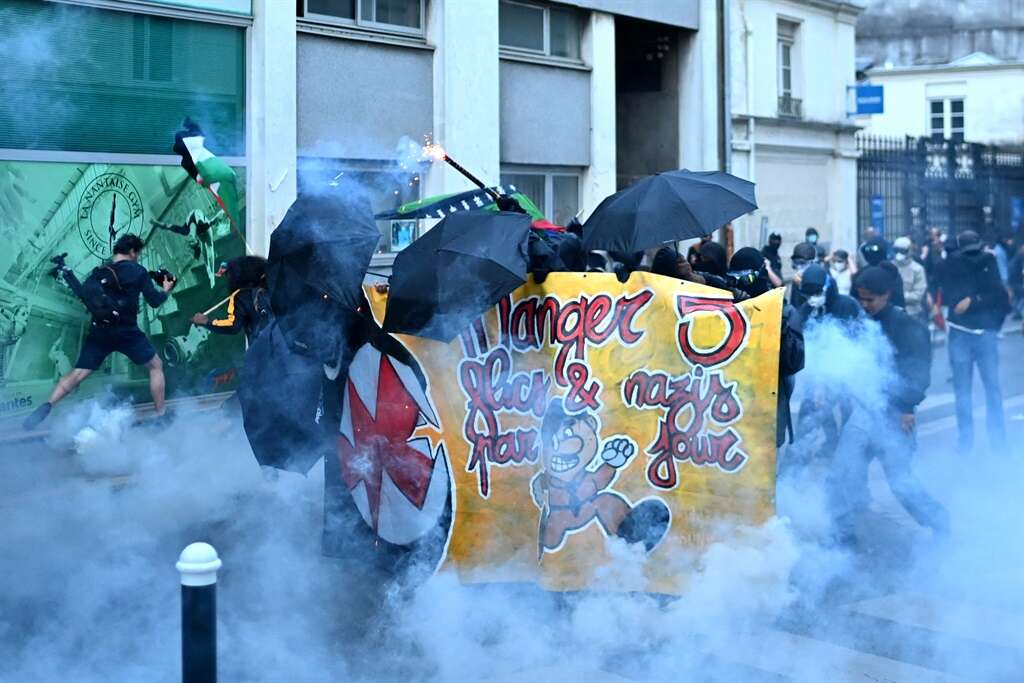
{"x":37,"y":416}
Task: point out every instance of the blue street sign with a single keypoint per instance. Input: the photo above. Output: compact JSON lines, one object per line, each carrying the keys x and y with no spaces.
{"x":870,"y":99}
{"x":878,"y":214}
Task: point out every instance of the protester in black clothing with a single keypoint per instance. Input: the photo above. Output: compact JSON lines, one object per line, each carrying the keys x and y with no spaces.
{"x":129,"y":280}
{"x":885,"y":431}
{"x":713,"y":259}
{"x":248,"y":306}
{"x":822,"y":299}
{"x":694,"y":254}
{"x":875,"y":252}
{"x":978,"y":304}
{"x":748,"y":272}
{"x":771,"y":252}
{"x":823,"y":303}
{"x":804,"y":254}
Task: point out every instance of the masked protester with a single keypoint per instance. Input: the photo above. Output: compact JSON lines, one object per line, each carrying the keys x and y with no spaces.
{"x":913,"y":277}
{"x":771,"y":252}
{"x":885,"y":431}
{"x":811,"y":236}
{"x":748,"y":273}
{"x":804,"y":254}
{"x":841,"y":270}
{"x":248,"y":306}
{"x":695,"y":253}
{"x":875,"y":252}
{"x":822,"y":298}
{"x":978,"y":304}
{"x":823,"y":303}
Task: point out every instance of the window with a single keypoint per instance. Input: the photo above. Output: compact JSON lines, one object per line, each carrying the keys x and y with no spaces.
{"x":385,"y":185}
{"x":392,"y":15}
{"x":946,"y":119}
{"x":127,"y":83}
{"x":553,"y":31}
{"x":789,"y":105}
{"x":556,"y":194}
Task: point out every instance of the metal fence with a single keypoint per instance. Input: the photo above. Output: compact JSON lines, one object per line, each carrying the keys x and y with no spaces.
{"x":906,"y":186}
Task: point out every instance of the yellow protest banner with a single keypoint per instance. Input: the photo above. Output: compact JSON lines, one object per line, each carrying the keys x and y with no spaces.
{"x":578,"y":421}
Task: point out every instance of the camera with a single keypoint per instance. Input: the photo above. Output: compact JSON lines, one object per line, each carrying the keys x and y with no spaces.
{"x":59,"y":264}
{"x":162,"y":275}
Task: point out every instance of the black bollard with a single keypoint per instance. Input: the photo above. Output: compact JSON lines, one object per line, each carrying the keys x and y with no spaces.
{"x":198,"y":565}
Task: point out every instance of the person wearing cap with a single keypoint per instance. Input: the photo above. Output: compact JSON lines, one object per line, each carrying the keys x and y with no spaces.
{"x":748,"y":272}
{"x":875,"y":252}
{"x":978,"y":304}
{"x":823,"y":304}
{"x":913,"y":277}
{"x":822,"y":299}
{"x":804,"y":254}
{"x":885,"y":431}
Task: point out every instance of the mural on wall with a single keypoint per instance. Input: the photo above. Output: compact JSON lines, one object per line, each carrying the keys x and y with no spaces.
{"x":80,"y":209}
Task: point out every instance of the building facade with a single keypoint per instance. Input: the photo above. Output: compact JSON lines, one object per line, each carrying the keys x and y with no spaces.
{"x":976,"y":98}
{"x":791,"y":64}
{"x":568,"y":101}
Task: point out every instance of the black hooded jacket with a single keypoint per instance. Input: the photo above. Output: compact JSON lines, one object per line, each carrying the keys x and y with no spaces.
{"x":974,"y":273}
{"x":913,"y":357}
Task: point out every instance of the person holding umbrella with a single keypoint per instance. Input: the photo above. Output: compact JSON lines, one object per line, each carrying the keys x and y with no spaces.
{"x":665,"y":208}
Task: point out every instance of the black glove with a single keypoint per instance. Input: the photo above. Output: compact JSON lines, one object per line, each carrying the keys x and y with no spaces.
{"x":506,"y":203}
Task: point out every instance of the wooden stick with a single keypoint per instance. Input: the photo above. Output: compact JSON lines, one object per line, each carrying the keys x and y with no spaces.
{"x":217,"y":305}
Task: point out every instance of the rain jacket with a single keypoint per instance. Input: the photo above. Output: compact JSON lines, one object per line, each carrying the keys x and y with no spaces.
{"x":974,"y":273}
{"x":912,"y":350}
{"x":915,"y":285}
{"x":248,"y":311}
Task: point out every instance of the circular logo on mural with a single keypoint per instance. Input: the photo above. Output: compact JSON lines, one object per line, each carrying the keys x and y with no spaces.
{"x":110,"y":207}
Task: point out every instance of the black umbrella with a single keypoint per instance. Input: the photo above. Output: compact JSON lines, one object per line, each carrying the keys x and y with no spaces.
{"x":283,"y":401}
{"x":456,"y":271}
{"x":667,"y":207}
{"x":318,"y":258}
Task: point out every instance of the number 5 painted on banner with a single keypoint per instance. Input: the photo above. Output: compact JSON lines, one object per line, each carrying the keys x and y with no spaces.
{"x":735,"y":336}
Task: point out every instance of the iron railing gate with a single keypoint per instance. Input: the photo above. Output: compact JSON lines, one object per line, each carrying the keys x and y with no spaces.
{"x":908,"y":185}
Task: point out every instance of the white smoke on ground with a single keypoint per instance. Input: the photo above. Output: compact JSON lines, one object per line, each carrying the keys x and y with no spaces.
{"x":95,"y":519}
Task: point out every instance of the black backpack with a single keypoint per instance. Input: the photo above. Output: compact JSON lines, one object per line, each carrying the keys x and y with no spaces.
{"x":99,"y":293}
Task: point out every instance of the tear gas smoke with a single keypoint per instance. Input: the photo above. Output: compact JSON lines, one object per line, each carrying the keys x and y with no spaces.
{"x":91,"y":593}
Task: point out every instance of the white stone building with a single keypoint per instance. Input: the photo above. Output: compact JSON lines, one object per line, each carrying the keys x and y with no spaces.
{"x":977,"y":98}
{"x":791,"y":64}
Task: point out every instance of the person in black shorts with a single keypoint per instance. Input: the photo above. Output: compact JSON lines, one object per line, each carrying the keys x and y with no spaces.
{"x":125,"y":337}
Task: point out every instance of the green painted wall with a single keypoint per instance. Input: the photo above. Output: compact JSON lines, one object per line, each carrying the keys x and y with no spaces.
{"x":48,"y":208}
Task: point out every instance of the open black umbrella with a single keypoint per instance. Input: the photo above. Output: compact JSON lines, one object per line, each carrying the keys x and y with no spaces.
{"x":318,"y":258}
{"x":456,"y":271}
{"x":670,"y":206}
{"x":283,"y":399}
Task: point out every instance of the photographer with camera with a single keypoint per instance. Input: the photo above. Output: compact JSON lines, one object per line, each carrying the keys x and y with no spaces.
{"x":111,"y":293}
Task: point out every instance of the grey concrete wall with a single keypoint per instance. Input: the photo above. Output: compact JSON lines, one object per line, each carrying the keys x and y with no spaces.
{"x":356,"y":99}
{"x":683,"y":13}
{"x":545,"y":114}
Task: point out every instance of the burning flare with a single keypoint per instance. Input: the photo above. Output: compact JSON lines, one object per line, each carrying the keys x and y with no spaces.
{"x":434,"y":152}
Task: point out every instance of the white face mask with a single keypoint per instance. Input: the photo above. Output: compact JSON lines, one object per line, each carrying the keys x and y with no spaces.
{"x":816,"y":301}
{"x":839,"y":266}
{"x":901,"y":258}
